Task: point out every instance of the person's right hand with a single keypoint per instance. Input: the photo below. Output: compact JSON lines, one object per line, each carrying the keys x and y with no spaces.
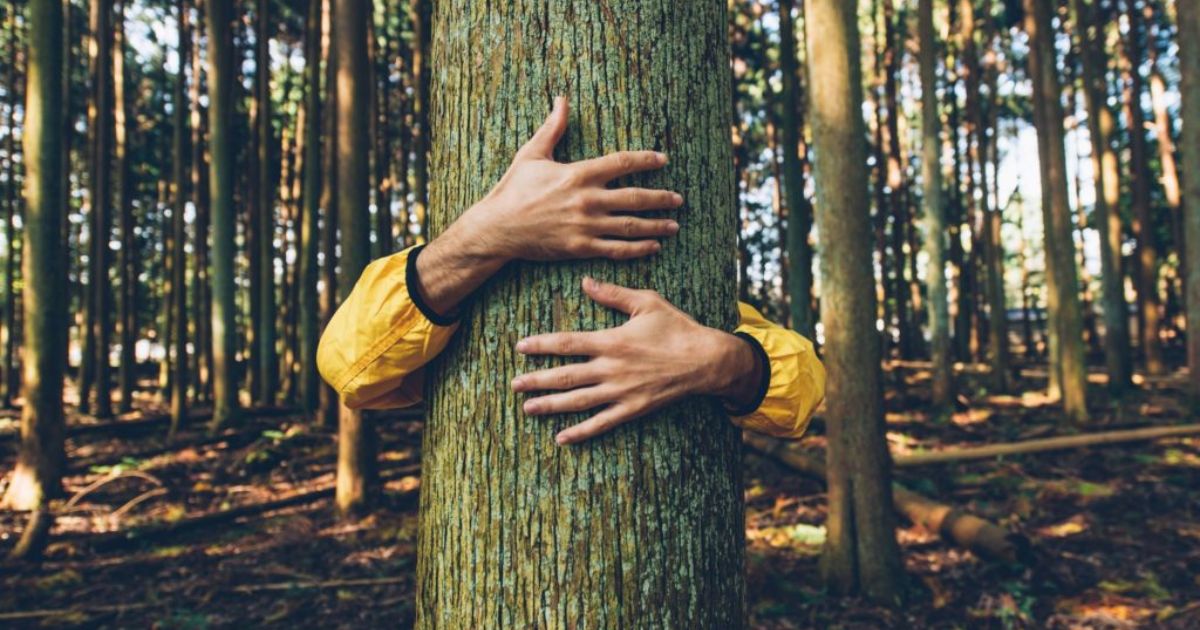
{"x":547,"y":210}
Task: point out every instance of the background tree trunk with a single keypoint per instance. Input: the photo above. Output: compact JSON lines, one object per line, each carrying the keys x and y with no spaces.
{"x":515,"y":531}
{"x":860,"y":552}
{"x":799,"y":211}
{"x":356,"y":466}
{"x":127,"y":260}
{"x":179,"y":287}
{"x":1066,"y":356}
{"x":310,"y":213}
{"x":267,"y":361}
{"x":220,"y":112}
{"x":38,"y":474}
{"x":935,"y":220}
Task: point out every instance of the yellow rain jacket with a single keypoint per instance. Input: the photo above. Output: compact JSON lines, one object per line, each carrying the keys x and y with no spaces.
{"x":374,"y":350}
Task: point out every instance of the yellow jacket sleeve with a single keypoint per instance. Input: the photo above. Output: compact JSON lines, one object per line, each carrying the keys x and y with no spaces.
{"x":797,"y":379}
{"x":374,"y":350}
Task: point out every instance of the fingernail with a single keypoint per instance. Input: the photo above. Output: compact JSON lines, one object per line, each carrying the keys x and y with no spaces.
{"x":677,"y":198}
{"x":560,"y":439}
{"x":673,"y":227}
{"x":588,"y":282}
{"x":522,"y":345}
{"x":656,"y":247}
{"x":531,"y":406}
{"x":661,"y":158}
{"x":517,"y":383}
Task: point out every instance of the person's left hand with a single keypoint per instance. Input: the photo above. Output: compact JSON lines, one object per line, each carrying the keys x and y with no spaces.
{"x":660,"y":355}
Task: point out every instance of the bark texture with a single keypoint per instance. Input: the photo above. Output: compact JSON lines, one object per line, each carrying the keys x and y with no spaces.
{"x":38,"y":474}
{"x":860,"y":553}
{"x":642,"y":527}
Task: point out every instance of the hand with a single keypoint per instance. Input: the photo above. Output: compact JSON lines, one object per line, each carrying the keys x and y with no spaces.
{"x":660,"y":355}
{"x":546,"y":210}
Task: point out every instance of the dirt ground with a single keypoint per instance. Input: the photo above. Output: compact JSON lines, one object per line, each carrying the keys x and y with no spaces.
{"x":1115,"y":533}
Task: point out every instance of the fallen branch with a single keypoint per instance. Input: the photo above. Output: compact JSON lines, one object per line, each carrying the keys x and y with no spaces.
{"x":1044,"y":444}
{"x":957,"y":526}
{"x":291,"y":586}
{"x":20,"y":615}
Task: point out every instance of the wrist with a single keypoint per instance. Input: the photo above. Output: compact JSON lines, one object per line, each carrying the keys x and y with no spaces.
{"x":744,"y":373}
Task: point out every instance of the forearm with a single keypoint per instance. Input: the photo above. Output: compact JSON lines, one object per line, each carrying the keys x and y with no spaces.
{"x":452,"y":266}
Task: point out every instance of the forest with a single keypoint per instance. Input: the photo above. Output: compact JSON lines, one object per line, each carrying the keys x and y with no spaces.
{"x":977,"y":210}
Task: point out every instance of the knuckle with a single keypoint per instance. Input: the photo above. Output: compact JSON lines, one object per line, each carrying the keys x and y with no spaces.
{"x":624,"y":161}
{"x":565,"y":381}
{"x":628,"y":226}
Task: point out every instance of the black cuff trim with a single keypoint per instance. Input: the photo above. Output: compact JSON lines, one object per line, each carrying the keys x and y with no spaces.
{"x":764,"y":363}
{"x":410,"y":279}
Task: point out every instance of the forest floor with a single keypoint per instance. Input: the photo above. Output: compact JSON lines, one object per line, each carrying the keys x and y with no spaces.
{"x":1115,"y":529}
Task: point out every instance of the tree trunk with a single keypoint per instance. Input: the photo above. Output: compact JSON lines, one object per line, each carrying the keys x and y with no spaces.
{"x":220,"y":112}
{"x":127,"y":261}
{"x":860,"y":553}
{"x":514,"y":530}
{"x":935,"y":220}
{"x":180,"y":177}
{"x":101,"y":198}
{"x":1189,"y":67}
{"x":329,"y":400}
{"x":1146,"y":267}
{"x":265,"y":355}
{"x":310,"y":214}
{"x":356,"y":466}
{"x":7,"y":365}
{"x":799,"y":211}
{"x":896,"y":181}
{"x":1066,"y":321}
{"x":39,"y":469}
{"x":202,"y":292}
{"x":420,"y":19}
{"x":1107,"y":209}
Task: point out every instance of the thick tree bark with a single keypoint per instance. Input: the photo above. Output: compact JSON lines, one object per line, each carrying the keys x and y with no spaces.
{"x":310,"y":213}
{"x":799,"y":210}
{"x":935,"y":219}
{"x":267,"y":361}
{"x":1147,"y":258}
{"x":180,"y":177}
{"x":1066,"y":319}
{"x":1107,"y":209}
{"x":861,"y":553}
{"x":40,"y":461}
{"x":642,"y":527}
{"x":219,"y":14}
{"x":1189,"y":66}
{"x":356,"y":466}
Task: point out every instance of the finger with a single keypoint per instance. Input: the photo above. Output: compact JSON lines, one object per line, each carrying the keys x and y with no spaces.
{"x":637,"y":227}
{"x":598,"y":424}
{"x":616,"y":297}
{"x":571,"y":344}
{"x":566,"y":402}
{"x":560,"y":378}
{"x":624,"y":250}
{"x":638,"y":199}
{"x":614,"y":165}
{"x":542,"y":143}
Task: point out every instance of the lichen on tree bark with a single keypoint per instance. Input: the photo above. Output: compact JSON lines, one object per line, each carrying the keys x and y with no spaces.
{"x":642,"y":527}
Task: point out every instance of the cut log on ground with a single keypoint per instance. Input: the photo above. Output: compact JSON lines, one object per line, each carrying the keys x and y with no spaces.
{"x":1041,"y":445}
{"x":962,"y":528}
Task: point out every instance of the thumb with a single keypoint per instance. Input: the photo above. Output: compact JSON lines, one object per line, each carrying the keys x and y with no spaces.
{"x":541,"y":145}
{"x":615,"y":297}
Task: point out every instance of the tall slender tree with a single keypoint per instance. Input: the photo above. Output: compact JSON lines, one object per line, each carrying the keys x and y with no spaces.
{"x":101,"y":199}
{"x":180,"y":177}
{"x":1066,"y":318}
{"x":9,"y":380}
{"x":1106,"y":209}
{"x":935,"y":220}
{"x":38,"y":474}
{"x":266,"y":358}
{"x":419,"y":17}
{"x":356,"y":466}
{"x":799,"y":211}
{"x":127,"y":259}
{"x":219,"y":20}
{"x":1147,"y":255}
{"x":309,"y":244}
{"x":860,"y":553}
